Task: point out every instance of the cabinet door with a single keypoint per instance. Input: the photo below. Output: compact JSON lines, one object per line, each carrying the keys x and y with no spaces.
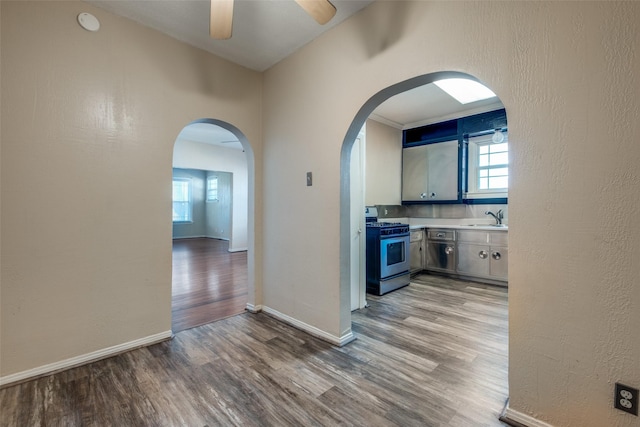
{"x":441,"y":256}
{"x":415,"y":162}
{"x":442,"y":171}
{"x":415,"y":256}
{"x":430,"y":172}
{"x":473,"y":260}
{"x":499,"y":262}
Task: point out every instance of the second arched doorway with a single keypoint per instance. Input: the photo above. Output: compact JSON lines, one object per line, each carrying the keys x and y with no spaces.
{"x":212,"y":243}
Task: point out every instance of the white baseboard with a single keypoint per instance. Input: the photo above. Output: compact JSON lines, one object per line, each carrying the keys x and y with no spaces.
{"x":83,"y":359}
{"x":347,"y":338}
{"x":254,"y":308}
{"x":311,"y":330}
{"x":527,"y":420}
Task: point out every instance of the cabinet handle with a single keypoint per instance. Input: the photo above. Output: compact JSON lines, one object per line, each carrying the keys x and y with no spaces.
{"x":433,"y":195}
{"x":496,"y":255}
{"x":448,"y":250}
{"x":483,"y":254}
{"x":439,"y":234}
{"x":423,"y":195}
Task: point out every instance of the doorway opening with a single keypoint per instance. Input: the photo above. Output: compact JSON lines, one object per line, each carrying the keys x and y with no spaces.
{"x":399,"y":107}
{"x":212,"y":246}
{"x":434,"y":318}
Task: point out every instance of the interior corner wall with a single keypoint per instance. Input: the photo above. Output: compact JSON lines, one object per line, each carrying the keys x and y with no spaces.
{"x":86,"y":235}
{"x":565,"y":72}
{"x":383,"y":164}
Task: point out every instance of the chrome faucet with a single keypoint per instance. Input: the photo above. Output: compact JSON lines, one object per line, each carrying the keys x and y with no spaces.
{"x":498,"y":216}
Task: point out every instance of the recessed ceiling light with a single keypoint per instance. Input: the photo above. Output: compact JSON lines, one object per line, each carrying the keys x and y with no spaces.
{"x":465,"y":91}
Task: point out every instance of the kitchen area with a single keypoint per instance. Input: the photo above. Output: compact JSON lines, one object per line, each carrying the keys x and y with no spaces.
{"x":468,"y":248}
{"x":436,"y":246}
{"x":449,"y":213}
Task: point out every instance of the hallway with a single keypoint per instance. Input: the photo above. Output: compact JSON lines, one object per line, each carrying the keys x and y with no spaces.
{"x":209,"y":282}
{"x":432,"y":354}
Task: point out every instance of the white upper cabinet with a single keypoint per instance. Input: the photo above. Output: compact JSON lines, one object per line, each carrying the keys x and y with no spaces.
{"x":430,"y":172}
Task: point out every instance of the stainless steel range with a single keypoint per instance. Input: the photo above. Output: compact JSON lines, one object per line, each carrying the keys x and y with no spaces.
{"x":387,"y":254}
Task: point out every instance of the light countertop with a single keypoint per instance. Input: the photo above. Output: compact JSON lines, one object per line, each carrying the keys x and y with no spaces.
{"x":462,"y":223}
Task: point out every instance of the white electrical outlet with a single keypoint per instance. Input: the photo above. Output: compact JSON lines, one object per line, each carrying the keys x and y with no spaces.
{"x":626,"y":403}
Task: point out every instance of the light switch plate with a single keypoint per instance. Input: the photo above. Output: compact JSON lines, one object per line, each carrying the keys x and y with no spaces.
{"x":309,"y":179}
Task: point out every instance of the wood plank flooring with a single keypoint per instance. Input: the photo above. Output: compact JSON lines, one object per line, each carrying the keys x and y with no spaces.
{"x":431,"y":354}
{"x":209,"y":283}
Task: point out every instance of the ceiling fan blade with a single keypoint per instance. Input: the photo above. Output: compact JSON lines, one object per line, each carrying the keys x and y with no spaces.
{"x":221,"y":19}
{"x":320,"y":10}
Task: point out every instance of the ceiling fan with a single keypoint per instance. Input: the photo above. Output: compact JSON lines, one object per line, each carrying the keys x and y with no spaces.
{"x":222,"y":15}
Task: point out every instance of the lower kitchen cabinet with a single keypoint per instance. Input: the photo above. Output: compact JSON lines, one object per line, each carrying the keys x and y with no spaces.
{"x":473,"y":259}
{"x":416,"y":251}
{"x":499,"y":261}
{"x":476,"y":254}
{"x":483,"y":261}
{"x":483,"y":254}
{"x":441,"y":251}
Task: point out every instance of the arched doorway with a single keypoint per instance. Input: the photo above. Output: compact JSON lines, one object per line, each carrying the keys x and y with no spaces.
{"x":435,"y":315}
{"x":346,"y":199}
{"x":213,"y":261}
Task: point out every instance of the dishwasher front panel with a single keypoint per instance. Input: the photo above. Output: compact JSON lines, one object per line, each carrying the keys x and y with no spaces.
{"x":441,"y":256}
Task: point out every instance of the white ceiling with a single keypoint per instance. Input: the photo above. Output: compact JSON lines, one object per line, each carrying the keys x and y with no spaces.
{"x":425,"y":105}
{"x":264,"y":33}
{"x":209,"y":134}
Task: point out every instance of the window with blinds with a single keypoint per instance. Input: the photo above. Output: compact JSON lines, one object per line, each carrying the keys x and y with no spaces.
{"x":212,"y":188}
{"x":182,"y":200}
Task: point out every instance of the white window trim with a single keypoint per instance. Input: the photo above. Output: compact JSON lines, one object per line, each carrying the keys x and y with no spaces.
{"x":217,"y":198}
{"x":472,"y":191}
{"x":190,"y":201}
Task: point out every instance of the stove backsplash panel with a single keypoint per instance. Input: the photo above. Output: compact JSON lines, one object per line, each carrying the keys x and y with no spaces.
{"x":440,"y":211}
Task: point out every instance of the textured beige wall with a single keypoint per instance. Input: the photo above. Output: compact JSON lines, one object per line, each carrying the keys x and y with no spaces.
{"x":86,"y":237}
{"x":87,"y":111}
{"x":383,"y":164}
{"x":568,"y":74}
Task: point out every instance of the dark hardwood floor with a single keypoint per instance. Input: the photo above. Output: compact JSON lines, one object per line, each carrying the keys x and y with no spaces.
{"x":431,"y":354}
{"x":209,"y":283}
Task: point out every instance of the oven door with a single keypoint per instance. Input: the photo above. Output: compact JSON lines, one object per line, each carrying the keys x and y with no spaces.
{"x":394,"y":258}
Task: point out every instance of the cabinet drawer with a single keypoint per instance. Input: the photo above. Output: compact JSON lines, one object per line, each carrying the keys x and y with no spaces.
{"x":438,"y":234}
{"x":499,"y":238}
{"x":472,"y":236}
